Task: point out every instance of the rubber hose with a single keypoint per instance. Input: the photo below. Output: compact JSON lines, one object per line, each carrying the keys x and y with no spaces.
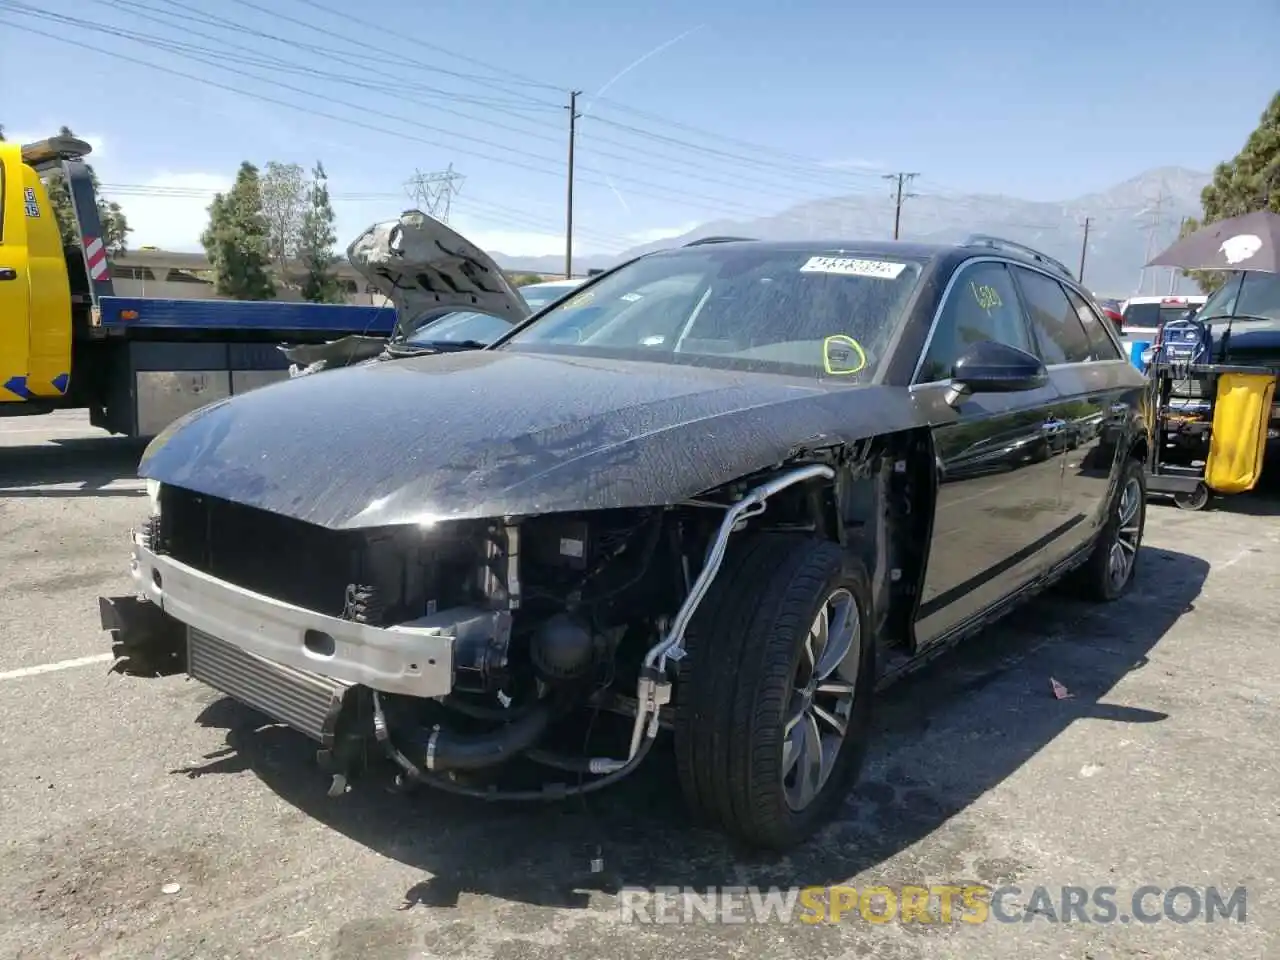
{"x":551,"y":793}
{"x":444,"y":750}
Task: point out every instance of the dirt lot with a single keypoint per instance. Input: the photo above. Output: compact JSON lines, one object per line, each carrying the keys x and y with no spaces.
{"x":1161,"y":769}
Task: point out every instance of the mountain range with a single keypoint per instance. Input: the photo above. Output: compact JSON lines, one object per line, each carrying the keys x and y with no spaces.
{"x":1128,"y":224}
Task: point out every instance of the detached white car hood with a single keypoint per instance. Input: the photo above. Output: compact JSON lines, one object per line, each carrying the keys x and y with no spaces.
{"x":423,"y":267}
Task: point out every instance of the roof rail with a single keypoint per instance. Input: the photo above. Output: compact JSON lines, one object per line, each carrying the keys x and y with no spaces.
{"x":986,"y":240}
{"x":695,"y":243}
{"x":44,"y":154}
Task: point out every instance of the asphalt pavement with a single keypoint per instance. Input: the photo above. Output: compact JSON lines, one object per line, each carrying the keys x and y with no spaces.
{"x":152,"y":818}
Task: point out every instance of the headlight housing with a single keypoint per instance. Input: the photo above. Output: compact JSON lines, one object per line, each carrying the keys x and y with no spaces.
{"x":153,"y":495}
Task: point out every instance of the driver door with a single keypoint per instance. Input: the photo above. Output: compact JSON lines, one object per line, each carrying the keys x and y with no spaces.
{"x":999,"y":471}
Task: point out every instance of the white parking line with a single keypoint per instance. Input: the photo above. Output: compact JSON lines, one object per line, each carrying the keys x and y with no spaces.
{"x":55,"y":667}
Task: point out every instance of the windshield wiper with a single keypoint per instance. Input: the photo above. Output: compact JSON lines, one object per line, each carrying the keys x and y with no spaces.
{"x":407,"y":349}
{"x":435,"y":345}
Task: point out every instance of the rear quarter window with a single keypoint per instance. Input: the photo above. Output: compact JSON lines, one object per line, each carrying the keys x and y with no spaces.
{"x":1104,"y":347}
{"x":1058,"y":330}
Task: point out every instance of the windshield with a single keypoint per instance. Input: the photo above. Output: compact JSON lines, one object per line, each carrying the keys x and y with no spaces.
{"x":1256,"y":296}
{"x":809,"y":312}
{"x":539,"y":296}
{"x":1154,"y":314}
{"x":460,"y":327}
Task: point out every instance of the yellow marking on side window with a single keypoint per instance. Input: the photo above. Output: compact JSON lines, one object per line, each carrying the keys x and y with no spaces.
{"x":838,"y":341}
{"x":988,"y":297}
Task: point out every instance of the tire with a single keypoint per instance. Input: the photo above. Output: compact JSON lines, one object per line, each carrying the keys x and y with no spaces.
{"x":1095,"y":580}
{"x":1198,"y":499}
{"x":736,"y":687}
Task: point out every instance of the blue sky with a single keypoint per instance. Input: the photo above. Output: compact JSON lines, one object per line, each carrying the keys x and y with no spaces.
{"x":692,"y":110}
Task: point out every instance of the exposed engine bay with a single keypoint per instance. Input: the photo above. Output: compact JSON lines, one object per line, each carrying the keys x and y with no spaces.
{"x":552,"y":620}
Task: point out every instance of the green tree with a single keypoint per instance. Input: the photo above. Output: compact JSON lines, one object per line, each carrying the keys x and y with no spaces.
{"x":236,"y":240}
{"x":284,"y":189}
{"x":1248,"y":182}
{"x":523,"y":279}
{"x":315,"y":243}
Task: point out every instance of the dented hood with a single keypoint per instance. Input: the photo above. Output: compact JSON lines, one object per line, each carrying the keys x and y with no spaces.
{"x":424,"y":267}
{"x":496,"y":432}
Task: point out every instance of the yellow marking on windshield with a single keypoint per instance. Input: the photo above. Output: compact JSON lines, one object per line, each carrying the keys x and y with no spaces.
{"x":582,"y":299}
{"x":840,"y":340}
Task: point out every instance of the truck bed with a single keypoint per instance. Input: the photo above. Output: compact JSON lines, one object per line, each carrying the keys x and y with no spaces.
{"x":156,"y":360}
{"x":282,"y":320}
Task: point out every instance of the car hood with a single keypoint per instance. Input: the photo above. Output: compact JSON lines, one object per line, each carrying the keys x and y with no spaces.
{"x":424,"y":267}
{"x":497,"y":432}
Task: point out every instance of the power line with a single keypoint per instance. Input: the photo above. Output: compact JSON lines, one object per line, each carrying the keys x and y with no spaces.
{"x":756,"y":149}
{"x":222,"y":55}
{"x":657,"y":191}
{"x":901,"y":178}
{"x":417,"y":42}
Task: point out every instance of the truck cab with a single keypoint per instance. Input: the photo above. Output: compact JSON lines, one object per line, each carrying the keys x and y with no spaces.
{"x":35,"y":289}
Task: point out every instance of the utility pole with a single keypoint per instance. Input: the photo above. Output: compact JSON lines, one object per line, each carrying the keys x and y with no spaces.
{"x":568,"y":213}
{"x":434,"y":192}
{"x":1084,"y":247}
{"x":901,"y":178}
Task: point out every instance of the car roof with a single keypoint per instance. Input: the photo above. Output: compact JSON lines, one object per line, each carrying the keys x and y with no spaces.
{"x":914,"y":250}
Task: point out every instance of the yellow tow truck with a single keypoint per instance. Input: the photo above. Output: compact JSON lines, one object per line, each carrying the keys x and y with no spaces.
{"x":135,"y":363}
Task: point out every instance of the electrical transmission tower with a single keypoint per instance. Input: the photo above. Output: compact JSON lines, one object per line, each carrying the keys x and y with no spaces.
{"x":1155,"y":211}
{"x":434,"y":192}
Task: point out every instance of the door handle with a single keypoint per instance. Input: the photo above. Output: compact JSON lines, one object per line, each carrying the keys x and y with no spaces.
{"x":8,"y":273}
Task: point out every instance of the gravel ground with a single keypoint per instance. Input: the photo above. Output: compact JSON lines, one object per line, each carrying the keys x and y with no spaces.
{"x":1157,"y":770}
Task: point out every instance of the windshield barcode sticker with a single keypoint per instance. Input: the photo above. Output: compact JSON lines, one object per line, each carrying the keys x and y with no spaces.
{"x":853,"y":268}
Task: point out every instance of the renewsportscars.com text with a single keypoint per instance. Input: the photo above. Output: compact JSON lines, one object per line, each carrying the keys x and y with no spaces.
{"x":932,"y":904}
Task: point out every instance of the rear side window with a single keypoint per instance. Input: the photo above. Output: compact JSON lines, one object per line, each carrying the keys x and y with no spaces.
{"x":1104,"y":348}
{"x":1057,"y":329}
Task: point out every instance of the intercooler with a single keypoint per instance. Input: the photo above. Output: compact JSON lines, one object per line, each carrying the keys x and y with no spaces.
{"x":307,"y":702}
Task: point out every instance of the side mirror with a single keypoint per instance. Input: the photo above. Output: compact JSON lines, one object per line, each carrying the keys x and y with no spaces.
{"x":991,"y":367}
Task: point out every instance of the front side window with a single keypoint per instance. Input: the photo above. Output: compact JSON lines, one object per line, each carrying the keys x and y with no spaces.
{"x":805,"y":312}
{"x":982,"y":304}
{"x":1057,"y":328}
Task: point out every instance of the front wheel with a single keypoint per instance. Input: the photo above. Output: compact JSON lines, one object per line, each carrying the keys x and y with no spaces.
{"x":774,"y":697}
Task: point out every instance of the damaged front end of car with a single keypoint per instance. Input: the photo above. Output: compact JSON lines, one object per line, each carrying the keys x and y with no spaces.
{"x":450,"y":647}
